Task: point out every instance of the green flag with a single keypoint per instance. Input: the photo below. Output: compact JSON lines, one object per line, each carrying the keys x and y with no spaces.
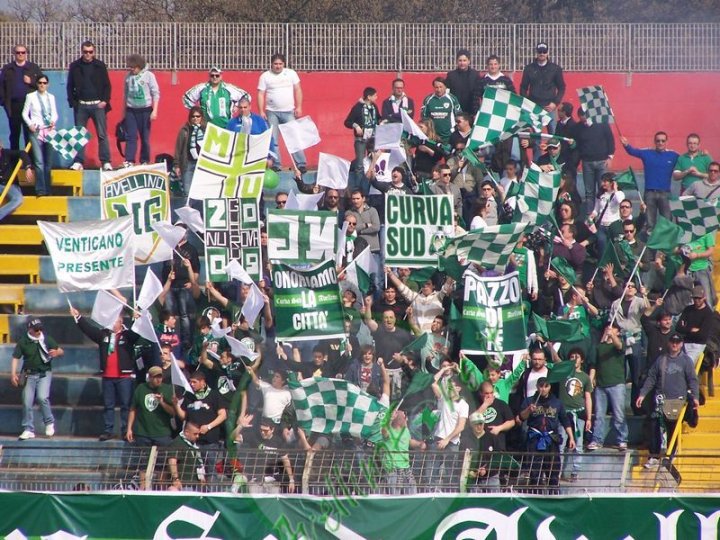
{"x":451,"y":266}
{"x":421,"y":275}
{"x":417,"y":344}
{"x":470,"y":375}
{"x":540,"y":325}
{"x":564,"y":269}
{"x":471,"y":157}
{"x":455,"y":318}
{"x":626,"y":180}
{"x":564,"y":330}
{"x":560,"y":371}
{"x":420,"y":381}
{"x":666,"y":236}
{"x":537,"y":193}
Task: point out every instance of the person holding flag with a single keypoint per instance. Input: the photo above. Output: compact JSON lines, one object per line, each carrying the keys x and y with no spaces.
{"x":607,"y":209}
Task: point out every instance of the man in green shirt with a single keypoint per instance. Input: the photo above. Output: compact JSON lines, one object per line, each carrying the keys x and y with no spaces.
{"x":36,"y":350}
{"x":576,"y":396}
{"x":699,"y":252}
{"x":692,"y":166}
{"x":396,"y":460}
{"x":216,"y":98}
{"x":151,"y":411}
{"x":185,"y":462}
{"x":441,"y":107}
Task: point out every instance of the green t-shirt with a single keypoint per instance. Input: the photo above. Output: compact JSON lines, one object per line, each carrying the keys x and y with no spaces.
{"x":29,"y":352}
{"x":698,"y":246}
{"x":700,"y":162}
{"x":151,"y":420}
{"x":396,"y":447}
{"x":521,"y":264}
{"x":610,"y":365}
{"x":579,"y":313}
{"x":572,"y":390}
{"x":190,"y":464}
{"x":442,"y":111}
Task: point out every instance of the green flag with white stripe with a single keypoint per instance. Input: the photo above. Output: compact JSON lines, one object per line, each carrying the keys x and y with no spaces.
{"x":536,"y":195}
{"x":489,"y":247}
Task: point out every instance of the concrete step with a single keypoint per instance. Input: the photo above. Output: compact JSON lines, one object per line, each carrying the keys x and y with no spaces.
{"x":69,"y":421}
{"x":66,"y":389}
{"x":78,"y":359}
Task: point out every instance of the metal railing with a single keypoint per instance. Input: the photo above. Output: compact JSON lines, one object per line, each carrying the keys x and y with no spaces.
{"x":607,"y":47}
{"x":357,"y":472}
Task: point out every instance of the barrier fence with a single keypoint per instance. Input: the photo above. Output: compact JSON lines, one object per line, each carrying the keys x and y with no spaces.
{"x":360,"y":471}
{"x":606,"y":47}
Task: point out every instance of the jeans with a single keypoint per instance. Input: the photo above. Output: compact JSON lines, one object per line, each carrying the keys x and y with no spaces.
{"x":616,"y":396}
{"x":442,"y":467}
{"x":83,"y":113}
{"x":656,"y":201}
{"x":572,"y":459}
{"x":13,"y":200}
{"x":592,"y":171}
{"x":116,"y":391}
{"x":17,"y":124}
{"x":187,"y":176}
{"x":360,"y":147}
{"x":181,"y":303}
{"x":401,"y":482}
{"x":275,"y":118}
{"x":42,"y":153}
{"x":137,"y":123}
{"x":37,"y":388}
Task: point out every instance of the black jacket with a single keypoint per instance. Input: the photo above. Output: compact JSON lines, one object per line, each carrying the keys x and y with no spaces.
{"x":464,"y":86}
{"x":125,"y":345}
{"x":595,"y":142}
{"x":355,"y":116}
{"x":543,"y":84}
{"x":389,"y":114}
{"x":100,"y":82}
{"x":7,"y":75}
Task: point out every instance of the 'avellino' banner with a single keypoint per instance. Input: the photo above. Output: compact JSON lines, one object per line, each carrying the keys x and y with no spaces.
{"x":512,"y":517}
{"x":142,"y":192}
{"x":307,"y":303}
{"x":91,"y":255}
{"x":492,"y":317}
{"x":301,"y":236}
{"x":232,"y":232}
{"x":416,"y":228}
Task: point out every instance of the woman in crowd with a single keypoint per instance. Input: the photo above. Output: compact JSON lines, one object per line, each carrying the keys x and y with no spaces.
{"x":188,"y":145}
{"x":40,"y":114}
{"x":142,"y":96}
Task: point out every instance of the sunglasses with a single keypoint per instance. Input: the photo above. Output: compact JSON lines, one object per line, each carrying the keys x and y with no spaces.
{"x":280,"y":202}
{"x":196,"y":116}
{"x":714,"y":170}
{"x":215,"y":76}
{"x":42,"y":82}
{"x":20,"y":52}
{"x":89,"y":52}
{"x":660,"y":140}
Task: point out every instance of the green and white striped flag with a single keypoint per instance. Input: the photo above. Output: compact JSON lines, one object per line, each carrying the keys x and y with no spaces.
{"x":489,"y":247}
{"x":695,"y":216}
{"x":594,"y":101}
{"x":68,"y":142}
{"x":537,"y":191}
{"x":359,"y":270}
{"x":336,"y":406}
{"x":503,"y":113}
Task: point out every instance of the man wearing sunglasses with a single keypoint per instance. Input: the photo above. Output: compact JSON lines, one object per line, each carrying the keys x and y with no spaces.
{"x":216,"y":98}
{"x":17,"y":79}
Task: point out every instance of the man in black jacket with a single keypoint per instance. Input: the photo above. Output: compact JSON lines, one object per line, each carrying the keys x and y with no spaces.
{"x":117,"y":363}
{"x":88,"y":94}
{"x":397,"y":101}
{"x":14,"y":92}
{"x":463,"y":81}
{"x":542,"y":82}
{"x":596,"y":148}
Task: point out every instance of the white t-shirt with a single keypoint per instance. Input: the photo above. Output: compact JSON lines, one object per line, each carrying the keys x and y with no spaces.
{"x":279,"y":89}
{"x":531,"y":386}
{"x":450,"y":414}
{"x":274,"y":400}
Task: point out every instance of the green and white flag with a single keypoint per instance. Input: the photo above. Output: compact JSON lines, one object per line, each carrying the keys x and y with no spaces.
{"x":502,"y":113}
{"x":595,"y":103}
{"x":230,"y":165}
{"x":489,"y":247}
{"x":537,"y":191}
{"x":142,"y":192}
{"x":301,"y":236}
{"x":416,"y":228}
{"x":546,"y":137}
{"x":695,"y":216}
{"x":333,"y":406}
{"x":626,"y":180}
{"x":358,"y":272}
{"x":68,"y":142}
{"x":91,"y":255}
{"x":232,"y":232}
{"x":307,"y":303}
{"x":493,"y":321}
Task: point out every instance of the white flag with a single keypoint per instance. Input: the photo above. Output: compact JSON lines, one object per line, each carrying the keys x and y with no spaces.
{"x":192,"y":219}
{"x":253,"y":305}
{"x":411,"y":127}
{"x":151,"y":289}
{"x":171,"y":234}
{"x":302,"y":201}
{"x":235,"y":271}
{"x":388,"y":136}
{"x":177,"y":376}
{"x":106,"y":309}
{"x":332,"y":171}
{"x":300,"y":134}
{"x":341,"y":243}
{"x":143,"y":326}
{"x":238,"y":349}
{"x":217,"y":331}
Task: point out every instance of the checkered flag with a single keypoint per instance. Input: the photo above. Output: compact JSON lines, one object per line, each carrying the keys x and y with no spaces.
{"x":336,"y":406}
{"x":489,"y":247}
{"x":695,"y":216}
{"x":536,"y":196}
{"x":68,"y":142}
{"x":503,"y":113}
{"x":596,"y":105}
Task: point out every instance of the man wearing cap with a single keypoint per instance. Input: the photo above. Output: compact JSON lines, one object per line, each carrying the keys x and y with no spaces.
{"x":463,"y":81}
{"x":37,"y":351}
{"x":657,"y":324}
{"x":116,"y":347}
{"x":546,"y":416}
{"x":543,"y":82}
{"x":495,"y":413}
{"x":695,"y":323}
{"x":216,"y":98}
{"x":151,"y":411}
{"x":672,"y":376}
{"x":481,"y":442}
{"x":596,"y":149}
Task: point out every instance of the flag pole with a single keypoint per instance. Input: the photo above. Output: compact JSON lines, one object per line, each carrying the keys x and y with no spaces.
{"x":637,"y":264}
{"x":67,"y":298}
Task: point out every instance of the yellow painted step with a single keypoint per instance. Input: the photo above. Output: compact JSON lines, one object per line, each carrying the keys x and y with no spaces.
{"x":21,"y":265}
{"x":44,"y":206}
{"x":68,"y":178}
{"x":4,"y":328}
{"x":711,"y":408}
{"x":13,"y":295}
{"x":20,"y":235}
{"x":707,"y":424}
{"x":698,"y":441}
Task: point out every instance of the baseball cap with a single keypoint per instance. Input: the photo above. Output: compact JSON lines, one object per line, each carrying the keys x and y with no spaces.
{"x":698,"y":291}
{"x":155,"y":370}
{"x":215,"y":70}
{"x":35,"y":324}
{"x":675,"y":337}
{"x":553,"y":143}
{"x":542,"y":47}
{"x":477,"y":418}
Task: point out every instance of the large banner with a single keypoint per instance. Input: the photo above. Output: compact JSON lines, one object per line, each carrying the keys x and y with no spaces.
{"x":492,"y":319}
{"x":301,"y":236}
{"x":134,"y":515}
{"x":91,"y":255}
{"x":230,"y":165}
{"x":142,"y":192}
{"x":232,"y":232}
{"x":307,"y":303}
{"x":416,"y":228}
